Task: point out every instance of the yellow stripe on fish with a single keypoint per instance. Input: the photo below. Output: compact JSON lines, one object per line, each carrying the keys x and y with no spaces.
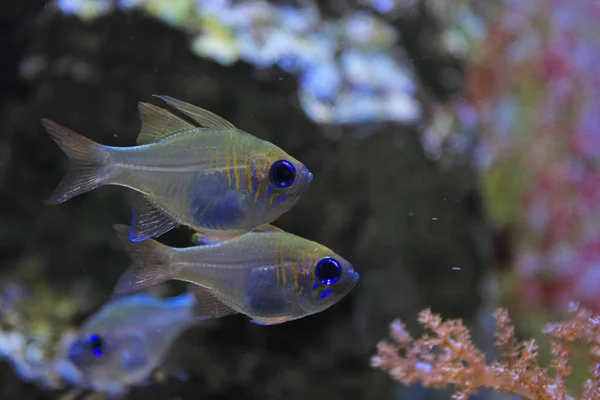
{"x":277,"y":270}
{"x":248,"y":174}
{"x":258,"y":188}
{"x":236,"y":173}
{"x":282,"y":265}
{"x":295,"y":274}
{"x":229,"y":160}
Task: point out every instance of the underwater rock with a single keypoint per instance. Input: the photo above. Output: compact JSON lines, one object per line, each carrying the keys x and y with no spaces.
{"x":350,"y":68}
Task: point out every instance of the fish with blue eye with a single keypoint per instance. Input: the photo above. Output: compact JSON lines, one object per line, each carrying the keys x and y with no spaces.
{"x":129,"y":338}
{"x":214,"y":178}
{"x":268,"y":275}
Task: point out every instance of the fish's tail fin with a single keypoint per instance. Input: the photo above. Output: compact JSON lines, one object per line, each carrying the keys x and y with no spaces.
{"x":88,"y":162}
{"x":151,"y":263}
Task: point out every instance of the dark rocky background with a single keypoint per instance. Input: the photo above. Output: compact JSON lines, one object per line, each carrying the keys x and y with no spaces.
{"x":373,"y":200}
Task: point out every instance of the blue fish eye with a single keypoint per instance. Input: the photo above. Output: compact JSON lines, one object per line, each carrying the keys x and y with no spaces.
{"x":96,"y":344}
{"x":282,"y":174}
{"x":328,"y":271}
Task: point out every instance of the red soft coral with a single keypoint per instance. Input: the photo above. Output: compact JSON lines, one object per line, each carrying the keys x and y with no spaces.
{"x":448,"y":356}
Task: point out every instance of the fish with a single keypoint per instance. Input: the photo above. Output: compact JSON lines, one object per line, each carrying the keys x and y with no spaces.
{"x":122,"y":344}
{"x":271,"y":276}
{"x":213,"y":178}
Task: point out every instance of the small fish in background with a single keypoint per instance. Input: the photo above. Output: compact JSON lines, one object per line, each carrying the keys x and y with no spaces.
{"x":216,"y":179}
{"x":269,"y":275}
{"x":128,"y":339}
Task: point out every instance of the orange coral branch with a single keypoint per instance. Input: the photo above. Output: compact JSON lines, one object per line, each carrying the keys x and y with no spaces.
{"x":448,"y":356}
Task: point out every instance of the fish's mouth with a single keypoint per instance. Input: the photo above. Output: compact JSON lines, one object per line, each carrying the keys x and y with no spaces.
{"x":309,"y":177}
{"x":353,"y":280}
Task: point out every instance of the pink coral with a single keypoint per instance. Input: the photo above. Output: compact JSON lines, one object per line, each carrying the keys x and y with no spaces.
{"x":533,"y":84}
{"x":446,"y":355}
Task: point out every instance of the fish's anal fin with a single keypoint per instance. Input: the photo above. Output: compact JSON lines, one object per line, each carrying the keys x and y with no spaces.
{"x":208,"y":306}
{"x":269,"y":321}
{"x":147,"y":220}
{"x":203,"y":117}
{"x":214,"y":237}
{"x":267,"y":228}
{"x":158,"y":123}
{"x":151,"y":263}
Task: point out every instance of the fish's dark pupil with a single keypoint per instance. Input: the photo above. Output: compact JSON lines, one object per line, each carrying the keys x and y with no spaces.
{"x":96,"y":345}
{"x":282,"y":173}
{"x":328,"y":271}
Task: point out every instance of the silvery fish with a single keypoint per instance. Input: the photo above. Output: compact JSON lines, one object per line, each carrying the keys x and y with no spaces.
{"x":218,"y":180}
{"x":270,"y":276}
{"x":129,"y":338}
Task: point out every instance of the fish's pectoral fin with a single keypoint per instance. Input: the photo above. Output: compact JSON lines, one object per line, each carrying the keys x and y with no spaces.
{"x":208,"y":306}
{"x":267,"y":228}
{"x":227,"y":302}
{"x":269,"y":321}
{"x":147,"y":220}
{"x":214,"y":237}
{"x":158,"y":123}
{"x":150,"y":263}
{"x":88,"y":167}
{"x":203,"y":117}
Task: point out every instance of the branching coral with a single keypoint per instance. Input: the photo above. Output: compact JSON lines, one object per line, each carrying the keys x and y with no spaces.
{"x":447,"y":355}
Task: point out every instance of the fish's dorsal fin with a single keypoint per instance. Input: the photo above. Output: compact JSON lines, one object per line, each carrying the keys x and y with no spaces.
{"x":147,"y":220}
{"x":208,"y":306}
{"x":158,"y":123}
{"x":267,"y":228}
{"x":203,"y":117}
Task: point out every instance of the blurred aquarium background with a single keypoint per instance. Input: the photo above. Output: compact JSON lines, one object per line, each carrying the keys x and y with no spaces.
{"x":455,"y":146}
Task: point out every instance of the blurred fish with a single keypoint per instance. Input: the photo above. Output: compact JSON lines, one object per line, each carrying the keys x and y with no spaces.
{"x":272,"y":277}
{"x":218,"y":180}
{"x":123,"y":343}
